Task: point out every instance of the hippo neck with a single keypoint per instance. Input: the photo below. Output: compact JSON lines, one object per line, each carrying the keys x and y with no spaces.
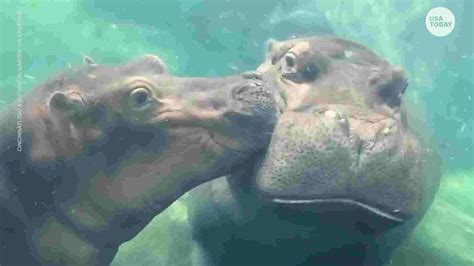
{"x":22,"y":183}
{"x":31,"y":168}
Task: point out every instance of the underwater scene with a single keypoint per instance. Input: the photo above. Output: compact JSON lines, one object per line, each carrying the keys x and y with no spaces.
{"x":198,"y":53}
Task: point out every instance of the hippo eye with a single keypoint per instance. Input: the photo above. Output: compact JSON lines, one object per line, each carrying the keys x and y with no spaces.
{"x":139,"y":98}
{"x":290,"y":60}
{"x":310,"y":72}
{"x":288,"y":67}
{"x":305,"y":68}
{"x":289,"y":63}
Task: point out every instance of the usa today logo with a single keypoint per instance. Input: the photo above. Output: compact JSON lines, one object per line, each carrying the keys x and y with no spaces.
{"x":440,"y":21}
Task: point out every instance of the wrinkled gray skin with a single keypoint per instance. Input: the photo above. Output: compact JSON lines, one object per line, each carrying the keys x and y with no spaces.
{"x":106,"y":148}
{"x":344,"y":179}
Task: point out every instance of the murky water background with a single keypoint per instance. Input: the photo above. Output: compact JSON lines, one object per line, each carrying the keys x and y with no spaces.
{"x":215,"y":38}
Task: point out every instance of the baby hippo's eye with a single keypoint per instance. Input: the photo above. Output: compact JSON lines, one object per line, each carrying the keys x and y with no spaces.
{"x":139,"y":98}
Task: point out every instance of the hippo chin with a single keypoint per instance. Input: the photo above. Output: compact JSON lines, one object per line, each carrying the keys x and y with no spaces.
{"x":343,"y":181}
{"x":106,"y":148}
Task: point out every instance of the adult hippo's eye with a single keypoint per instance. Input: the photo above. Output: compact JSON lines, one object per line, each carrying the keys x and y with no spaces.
{"x":289,"y":65}
{"x":139,"y":98}
{"x":309,"y":72}
{"x":299,"y":69}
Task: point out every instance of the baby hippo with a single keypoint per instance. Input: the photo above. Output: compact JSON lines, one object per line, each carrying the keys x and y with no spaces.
{"x":92,"y":155}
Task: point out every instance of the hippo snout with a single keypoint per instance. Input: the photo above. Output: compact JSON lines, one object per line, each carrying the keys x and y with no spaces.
{"x":252,"y":111}
{"x":239,"y":111}
{"x":253,"y":97}
{"x":332,"y":157}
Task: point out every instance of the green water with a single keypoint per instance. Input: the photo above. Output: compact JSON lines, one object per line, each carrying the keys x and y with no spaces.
{"x":215,"y":38}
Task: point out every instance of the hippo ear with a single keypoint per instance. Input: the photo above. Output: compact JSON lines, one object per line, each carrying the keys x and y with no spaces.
{"x":88,"y":61}
{"x":391,"y":90}
{"x":270,"y":45}
{"x":68,"y":103}
{"x":147,"y":63}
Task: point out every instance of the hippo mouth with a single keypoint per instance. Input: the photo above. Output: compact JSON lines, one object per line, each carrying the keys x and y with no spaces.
{"x":347,"y":214}
{"x":343,"y":204}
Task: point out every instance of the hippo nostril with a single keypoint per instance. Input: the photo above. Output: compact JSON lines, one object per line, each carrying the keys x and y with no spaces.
{"x":243,"y":89}
{"x":367,"y":144}
{"x":250,"y":88}
{"x":252,"y":75}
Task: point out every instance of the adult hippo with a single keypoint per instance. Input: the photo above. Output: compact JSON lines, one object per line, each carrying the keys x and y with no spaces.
{"x":344,"y":179}
{"x":103,"y":149}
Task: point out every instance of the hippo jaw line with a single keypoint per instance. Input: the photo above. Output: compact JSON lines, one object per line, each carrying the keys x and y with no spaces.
{"x":341,"y":201}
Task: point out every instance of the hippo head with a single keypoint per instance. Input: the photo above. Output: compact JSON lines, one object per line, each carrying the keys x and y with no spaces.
{"x":341,"y":144}
{"x":130,"y":139}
